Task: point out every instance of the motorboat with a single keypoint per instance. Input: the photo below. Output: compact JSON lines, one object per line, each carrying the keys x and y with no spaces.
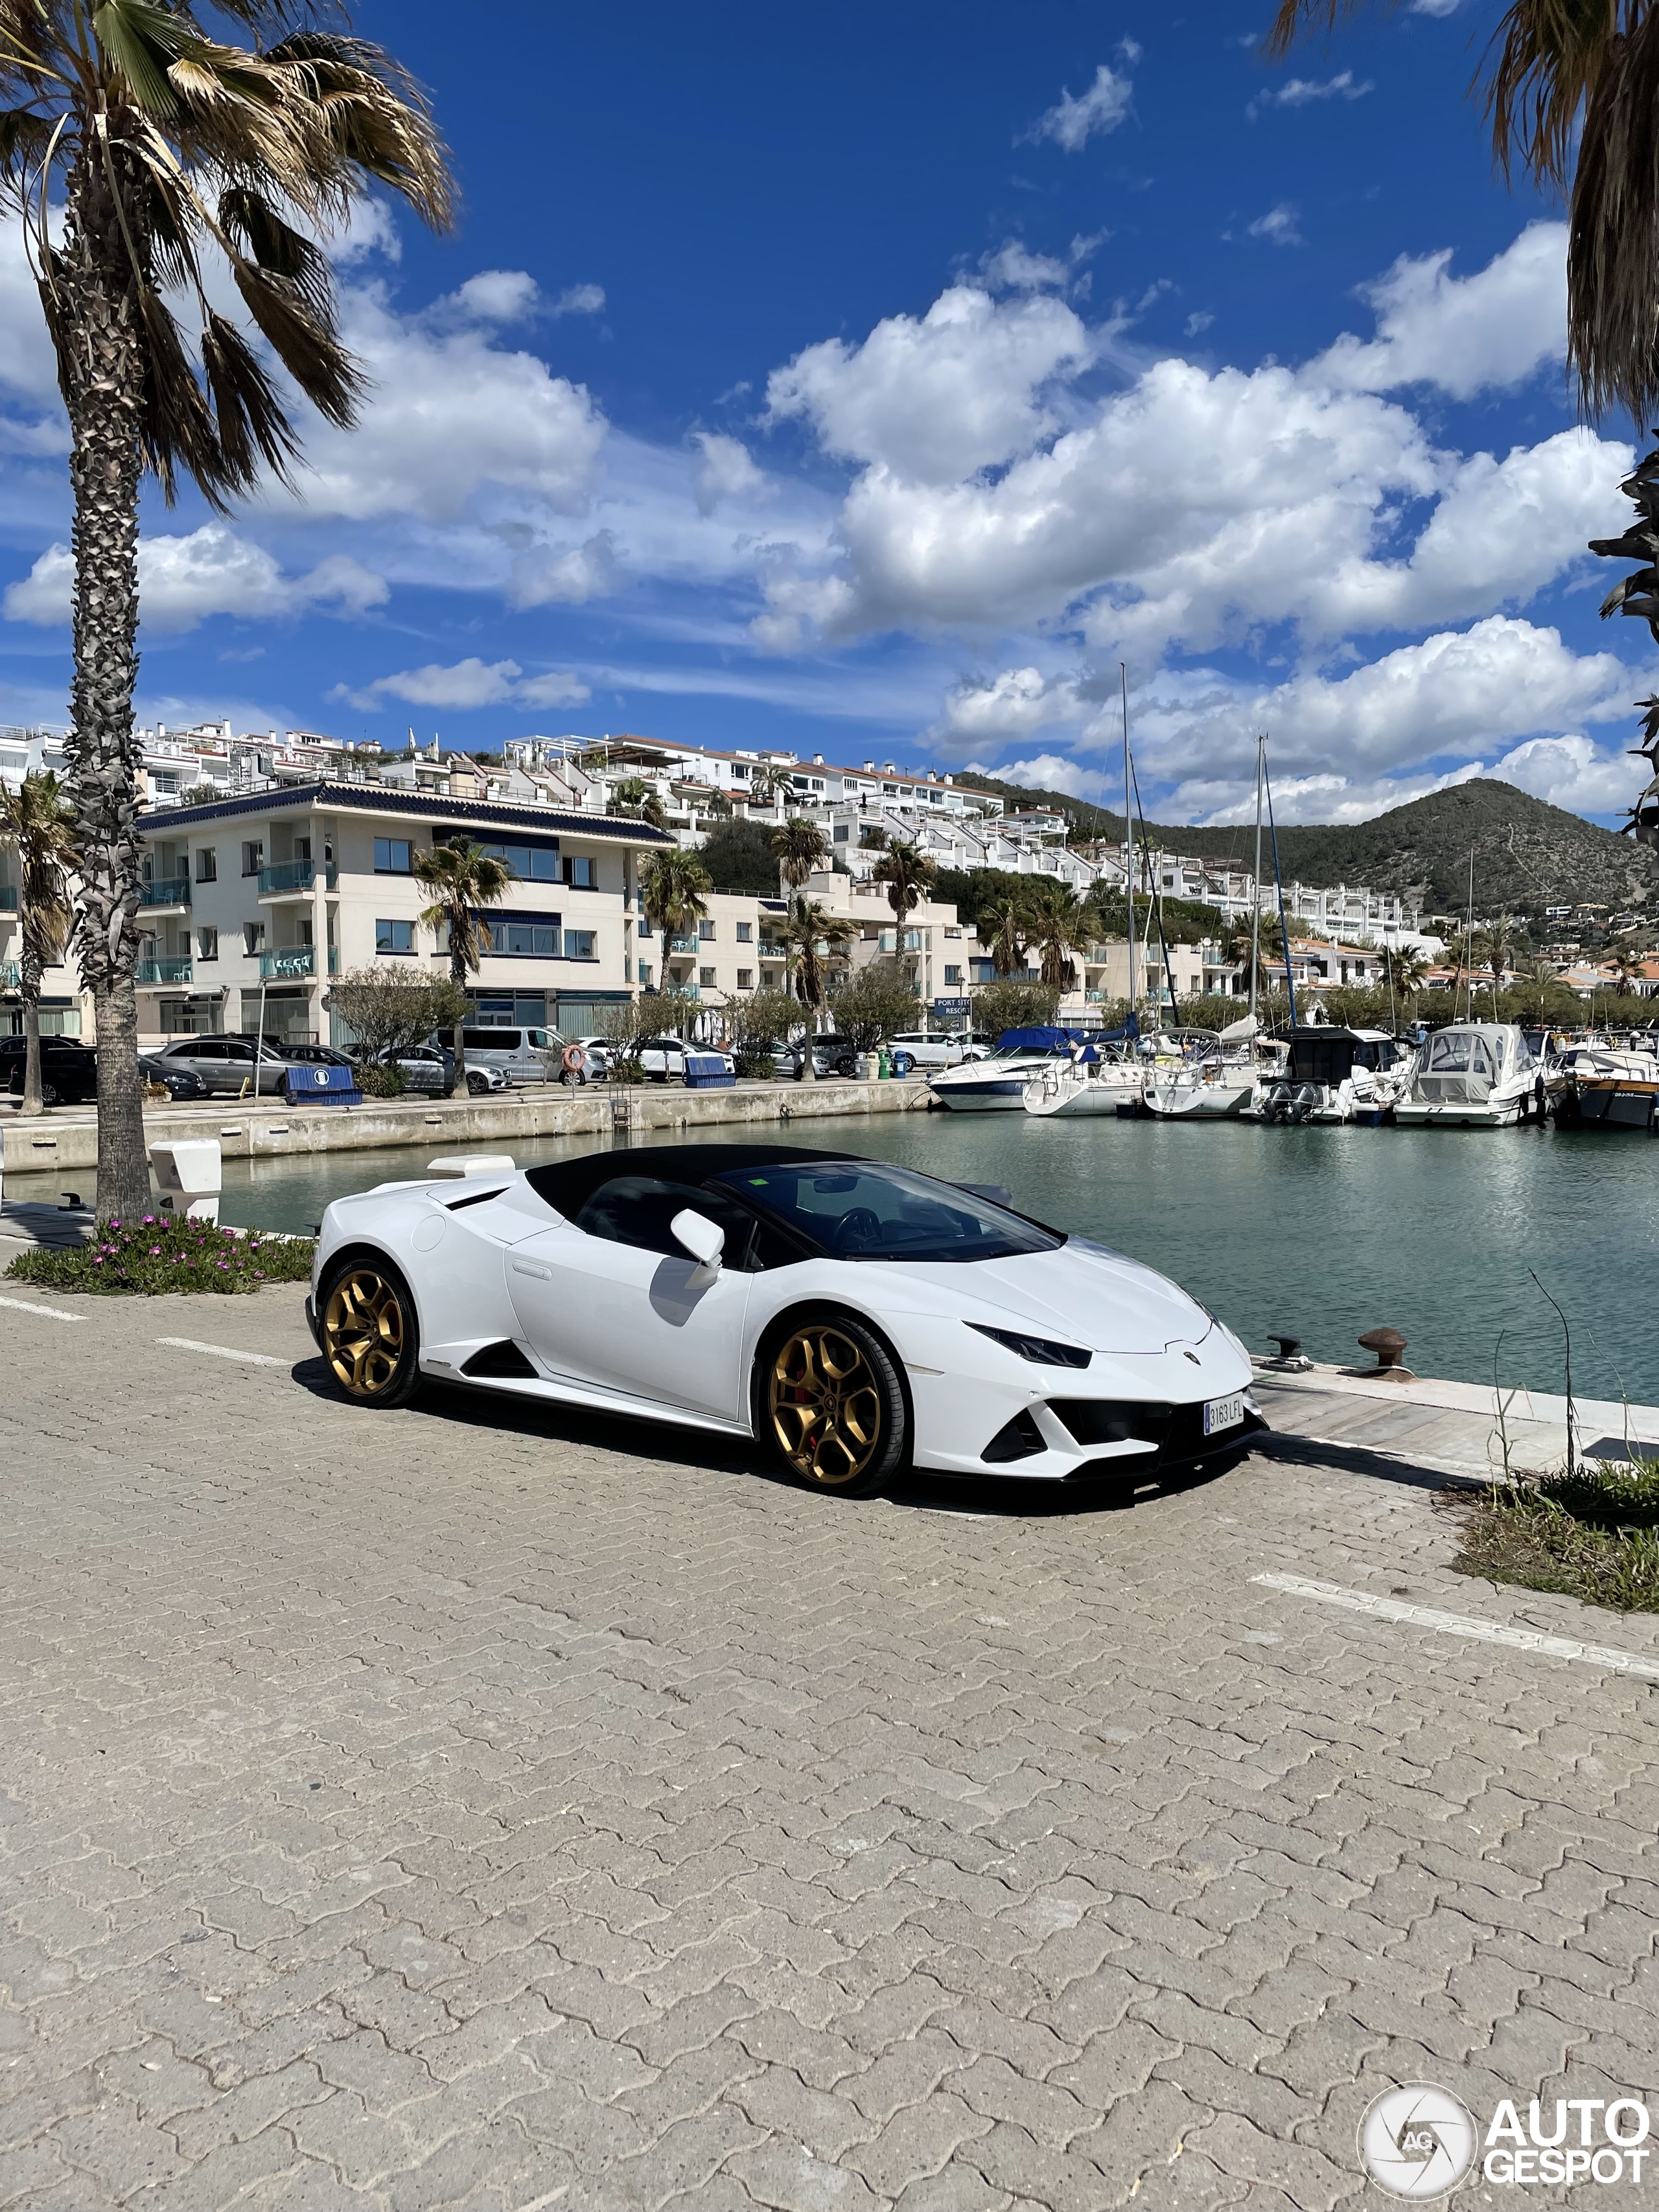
{"x":1475,"y":1075}
{"x":1602,"y":1085}
{"x":1083,"y":1086}
{"x":996,"y":1085}
{"x":1332,"y":1074}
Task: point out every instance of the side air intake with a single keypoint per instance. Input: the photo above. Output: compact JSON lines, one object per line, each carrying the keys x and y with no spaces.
{"x":499,"y":1362}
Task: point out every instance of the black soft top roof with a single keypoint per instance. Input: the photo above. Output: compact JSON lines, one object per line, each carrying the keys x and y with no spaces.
{"x":567,"y":1185}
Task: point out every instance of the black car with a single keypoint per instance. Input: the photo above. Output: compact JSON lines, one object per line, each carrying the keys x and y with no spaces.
{"x":68,"y":1069}
{"x":831,"y":1056}
{"x":179,"y":1082}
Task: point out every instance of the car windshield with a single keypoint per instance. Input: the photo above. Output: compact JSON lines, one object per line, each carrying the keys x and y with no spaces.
{"x":863,"y":1210}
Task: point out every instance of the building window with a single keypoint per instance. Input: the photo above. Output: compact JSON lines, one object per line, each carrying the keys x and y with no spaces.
{"x":394,"y":937}
{"x":207,"y":865}
{"x":746,"y":932}
{"x":392,"y":856}
{"x":644,"y":971}
{"x":705,"y":976}
{"x":531,"y":864}
{"x":745,"y":979}
{"x":952,"y":975}
{"x":741,"y":773}
{"x":578,"y":944}
{"x":207,"y":944}
{"x":253,"y":937}
{"x":253,"y":856}
{"x":843,"y":832}
{"x":579,"y":874}
{"x":522,"y":936}
{"x":705,"y":931}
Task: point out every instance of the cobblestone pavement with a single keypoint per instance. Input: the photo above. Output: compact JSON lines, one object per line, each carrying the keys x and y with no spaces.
{"x":463,"y":1808}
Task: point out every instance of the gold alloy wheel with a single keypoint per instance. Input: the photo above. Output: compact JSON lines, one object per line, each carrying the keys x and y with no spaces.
{"x":363,"y":1333}
{"x":826,"y":1407}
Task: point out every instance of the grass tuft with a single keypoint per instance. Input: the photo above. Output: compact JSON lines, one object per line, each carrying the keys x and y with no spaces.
{"x":1592,"y":1533}
{"x":155,"y":1254}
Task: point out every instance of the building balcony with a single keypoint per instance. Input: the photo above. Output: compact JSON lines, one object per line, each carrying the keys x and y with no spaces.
{"x":168,"y":891}
{"x":291,"y":963}
{"x":685,"y":944}
{"x":11,"y":975}
{"x":294,"y":879}
{"x":171,"y":969}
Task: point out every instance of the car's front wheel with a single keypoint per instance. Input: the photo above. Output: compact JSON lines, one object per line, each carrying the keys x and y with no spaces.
{"x":371,"y":1333}
{"x":830,"y":1405}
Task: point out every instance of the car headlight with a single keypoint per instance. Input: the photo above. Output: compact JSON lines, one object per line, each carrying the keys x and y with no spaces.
{"x":1040,"y":1351}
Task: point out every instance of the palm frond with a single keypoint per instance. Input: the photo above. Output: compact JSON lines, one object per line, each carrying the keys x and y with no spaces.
{"x":247,"y":216}
{"x":1295,"y":16}
{"x":1612,"y":234}
{"x":25,"y":136}
{"x":378,"y":118}
{"x":246,"y":411}
{"x":140,"y":40}
{"x":177,"y":425}
{"x":303,"y":340}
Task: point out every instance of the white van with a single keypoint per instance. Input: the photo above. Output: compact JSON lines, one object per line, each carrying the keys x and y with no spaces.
{"x":523,"y":1055}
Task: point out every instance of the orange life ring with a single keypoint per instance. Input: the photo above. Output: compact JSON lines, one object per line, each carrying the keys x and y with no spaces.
{"x":575,"y":1059}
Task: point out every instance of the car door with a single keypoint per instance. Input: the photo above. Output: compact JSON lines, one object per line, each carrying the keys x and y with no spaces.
{"x":614,"y":1303}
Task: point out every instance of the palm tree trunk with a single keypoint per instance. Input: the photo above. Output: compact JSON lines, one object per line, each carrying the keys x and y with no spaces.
{"x":33,"y":1101}
{"x":96,"y":312}
{"x":457,"y":1042}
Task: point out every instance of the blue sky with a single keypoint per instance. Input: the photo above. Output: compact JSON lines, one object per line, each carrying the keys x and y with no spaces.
{"x":874,"y":383}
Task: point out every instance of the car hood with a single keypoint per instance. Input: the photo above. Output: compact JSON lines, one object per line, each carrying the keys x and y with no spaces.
{"x":1084,"y":1294}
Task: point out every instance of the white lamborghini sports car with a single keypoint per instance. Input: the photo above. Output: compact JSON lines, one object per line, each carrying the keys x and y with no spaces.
{"x":853,"y":1317}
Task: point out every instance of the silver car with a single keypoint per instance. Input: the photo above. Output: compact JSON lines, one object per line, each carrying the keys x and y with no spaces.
{"x":226,"y":1065}
{"x":424,"y":1067}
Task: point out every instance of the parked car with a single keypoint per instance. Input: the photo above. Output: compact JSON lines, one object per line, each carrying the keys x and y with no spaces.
{"x":599,"y":1056}
{"x":933,"y":1048}
{"x":523,"y":1055}
{"x":68,"y":1069}
{"x":179,"y":1082}
{"x":663,"y":1058}
{"x":425,"y":1067}
{"x":831,"y":1056}
{"x":852,"y":1317}
{"x":319,"y":1055}
{"x":226,"y":1064}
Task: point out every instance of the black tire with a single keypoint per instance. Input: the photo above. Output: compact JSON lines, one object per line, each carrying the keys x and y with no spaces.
{"x":829,"y":1405}
{"x":477,"y":1085}
{"x":48,"y":1092}
{"x":370,"y":1331}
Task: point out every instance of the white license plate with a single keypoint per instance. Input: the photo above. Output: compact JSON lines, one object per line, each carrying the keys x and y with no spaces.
{"x":1223,"y":1414}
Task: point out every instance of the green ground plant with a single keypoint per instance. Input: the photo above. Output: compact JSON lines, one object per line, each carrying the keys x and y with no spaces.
{"x":154,"y":1255}
{"x":1590,"y":1532}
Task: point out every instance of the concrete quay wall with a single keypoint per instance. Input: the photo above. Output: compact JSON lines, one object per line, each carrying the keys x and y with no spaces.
{"x":267,"y":1129}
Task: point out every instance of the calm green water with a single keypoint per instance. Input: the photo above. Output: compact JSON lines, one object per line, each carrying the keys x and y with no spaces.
{"x":1323,"y":1231}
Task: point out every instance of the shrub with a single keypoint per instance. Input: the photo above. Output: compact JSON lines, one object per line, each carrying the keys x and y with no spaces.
{"x":157,"y":1254}
{"x":1011,"y":1006}
{"x":388,"y":1008}
{"x":384,"y":1080}
{"x":873,"y":1005}
{"x":1593,"y":1533}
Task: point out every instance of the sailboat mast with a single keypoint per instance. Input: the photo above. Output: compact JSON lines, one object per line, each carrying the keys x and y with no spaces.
{"x":1255,"y":880}
{"x":1469,"y":949}
{"x":1279,"y":883}
{"x":1128,"y":833}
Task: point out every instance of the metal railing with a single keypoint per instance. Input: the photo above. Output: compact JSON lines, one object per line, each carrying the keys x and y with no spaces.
{"x":294,"y":876}
{"x":11,"y":975}
{"x":171,"y":969}
{"x":165,"y":891}
{"x":684,"y":943}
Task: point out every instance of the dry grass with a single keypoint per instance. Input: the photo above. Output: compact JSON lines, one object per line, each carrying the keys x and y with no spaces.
{"x":1593,"y":1533}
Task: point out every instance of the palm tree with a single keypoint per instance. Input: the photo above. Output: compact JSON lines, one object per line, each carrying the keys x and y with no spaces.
{"x":1058,"y":924}
{"x":636,"y":798}
{"x":909,"y":873}
{"x":461,"y":876}
{"x":1569,"y":96}
{"x":810,"y":931}
{"x":40,"y":829}
{"x":674,"y":895}
{"x":1001,"y":929}
{"x":1406,"y":969}
{"x":169,"y":149}
{"x":771,"y":781}
{"x":801,"y":848}
{"x":1629,"y":966}
{"x":1495,"y":945}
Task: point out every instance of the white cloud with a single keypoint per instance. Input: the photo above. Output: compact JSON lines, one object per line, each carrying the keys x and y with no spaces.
{"x":1197,"y":323}
{"x":1072,"y":122}
{"x":1304,"y":91}
{"x":545,"y":575}
{"x":1466,"y":334}
{"x":1012,"y":705}
{"x":1278,"y":226}
{"x":451,"y":416}
{"x":578,"y":300}
{"x":728,"y":471}
{"x":183,"y":582}
{"x":465,"y":684}
{"x":1014,"y":268}
{"x":938,"y":398}
{"x":1060,"y":772}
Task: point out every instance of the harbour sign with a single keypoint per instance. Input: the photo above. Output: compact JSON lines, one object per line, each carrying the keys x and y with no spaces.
{"x":953,"y":1005}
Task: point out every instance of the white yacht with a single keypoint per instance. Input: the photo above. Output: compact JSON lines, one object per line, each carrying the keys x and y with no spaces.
{"x":1332,"y":1074}
{"x":1081,"y":1087}
{"x":996,"y":1085}
{"x":1214,"y":1079}
{"x":1477,"y":1075}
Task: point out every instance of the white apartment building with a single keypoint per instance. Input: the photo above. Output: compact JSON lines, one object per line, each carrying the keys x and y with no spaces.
{"x":251,"y":903}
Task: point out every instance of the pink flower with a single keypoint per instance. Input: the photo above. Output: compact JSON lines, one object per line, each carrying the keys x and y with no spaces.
{"x":97,"y":1262}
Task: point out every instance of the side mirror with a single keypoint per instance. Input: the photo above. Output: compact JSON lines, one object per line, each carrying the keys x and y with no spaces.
{"x":705,"y":1240}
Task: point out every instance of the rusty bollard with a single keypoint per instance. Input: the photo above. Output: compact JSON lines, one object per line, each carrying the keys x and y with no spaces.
{"x":1388,"y":1343}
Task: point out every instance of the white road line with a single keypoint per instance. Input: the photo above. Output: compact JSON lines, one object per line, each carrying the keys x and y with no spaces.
{"x":223,"y":1351}
{"x":1458,"y":1624}
{"x":50,"y":1313}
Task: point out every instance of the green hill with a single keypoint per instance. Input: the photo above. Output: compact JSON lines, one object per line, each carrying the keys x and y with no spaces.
{"x":1527,"y":855}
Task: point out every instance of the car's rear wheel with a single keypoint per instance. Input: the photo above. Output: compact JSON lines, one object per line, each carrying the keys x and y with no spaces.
{"x":371,"y":1333}
{"x":830,"y":1405}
